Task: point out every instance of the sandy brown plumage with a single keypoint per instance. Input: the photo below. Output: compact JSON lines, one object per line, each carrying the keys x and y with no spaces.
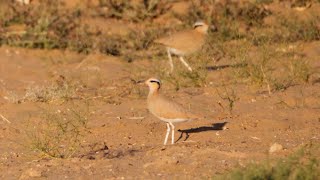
{"x":166,"y":109}
{"x":187,"y":42}
{"x":184,"y":43}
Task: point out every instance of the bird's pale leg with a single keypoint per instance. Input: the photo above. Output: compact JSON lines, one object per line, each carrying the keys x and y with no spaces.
{"x":170,"y":59}
{"x":167,"y":135}
{"x":172,"y":129}
{"x":185,"y":63}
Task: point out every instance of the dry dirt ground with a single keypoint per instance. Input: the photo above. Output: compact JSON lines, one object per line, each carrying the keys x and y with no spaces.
{"x":123,"y":140}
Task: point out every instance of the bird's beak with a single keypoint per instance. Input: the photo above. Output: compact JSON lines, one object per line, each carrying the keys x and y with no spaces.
{"x":140,"y":81}
{"x":137,"y":81}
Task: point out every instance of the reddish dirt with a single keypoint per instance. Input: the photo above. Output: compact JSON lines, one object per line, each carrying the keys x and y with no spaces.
{"x":125,"y":140}
{"x":135,"y":145}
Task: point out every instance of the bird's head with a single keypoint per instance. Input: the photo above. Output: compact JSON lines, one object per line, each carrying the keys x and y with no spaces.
{"x":202,"y":27}
{"x":153,"y":83}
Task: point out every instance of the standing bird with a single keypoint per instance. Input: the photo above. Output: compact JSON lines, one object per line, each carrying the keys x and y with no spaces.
{"x":24,"y":1}
{"x":165,"y":109}
{"x":185,"y":42}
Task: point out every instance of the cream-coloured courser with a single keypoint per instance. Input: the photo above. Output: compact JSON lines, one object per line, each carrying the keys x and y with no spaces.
{"x":185,"y":42}
{"x":165,"y":109}
{"x":24,"y":1}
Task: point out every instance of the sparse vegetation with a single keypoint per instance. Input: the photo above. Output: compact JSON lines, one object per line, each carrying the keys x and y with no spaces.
{"x":304,"y":164}
{"x":305,"y":30}
{"x":133,"y":11}
{"x":181,"y":78}
{"x":60,"y":91}
{"x":271,"y":68}
{"x":228,"y":95}
{"x":48,"y":29}
{"x":59,"y":133}
{"x":49,"y":93}
{"x":44,"y":25}
{"x":255,"y":81}
{"x":299,"y":70}
{"x":51,"y":28}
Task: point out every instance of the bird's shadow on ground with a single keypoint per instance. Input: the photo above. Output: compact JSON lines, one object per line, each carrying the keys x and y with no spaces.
{"x":215,"y":68}
{"x":214,"y":127}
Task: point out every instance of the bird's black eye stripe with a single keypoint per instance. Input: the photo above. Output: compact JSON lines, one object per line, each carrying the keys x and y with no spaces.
{"x":152,"y":81}
{"x":197,"y":25}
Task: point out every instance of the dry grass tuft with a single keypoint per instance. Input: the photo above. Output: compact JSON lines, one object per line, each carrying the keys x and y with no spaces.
{"x":59,"y":133}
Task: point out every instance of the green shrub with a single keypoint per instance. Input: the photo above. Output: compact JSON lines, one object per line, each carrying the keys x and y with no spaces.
{"x":304,"y":164}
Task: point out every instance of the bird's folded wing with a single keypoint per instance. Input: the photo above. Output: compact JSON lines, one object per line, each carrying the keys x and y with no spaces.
{"x":173,"y":110}
{"x":185,"y":41}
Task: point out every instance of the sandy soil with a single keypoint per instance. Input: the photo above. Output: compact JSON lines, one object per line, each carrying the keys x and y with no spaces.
{"x":125,"y":140}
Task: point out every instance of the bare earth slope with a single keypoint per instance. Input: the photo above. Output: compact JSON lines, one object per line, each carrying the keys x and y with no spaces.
{"x":65,"y":115}
{"x":126,"y":141}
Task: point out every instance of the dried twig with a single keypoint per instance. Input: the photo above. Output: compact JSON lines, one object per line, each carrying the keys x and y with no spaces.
{"x":4,"y":118}
{"x":267,"y":81}
{"x":81,"y":63}
{"x":135,"y":118}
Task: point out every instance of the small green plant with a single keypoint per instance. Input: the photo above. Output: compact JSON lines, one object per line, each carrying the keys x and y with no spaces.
{"x":59,"y":133}
{"x":230,"y":96}
{"x":303,"y":164}
{"x":141,"y":40}
{"x":47,"y":26}
{"x":112,"y":45}
{"x":180,"y":77}
{"x":258,"y":70}
{"x":274,"y":68}
{"x":117,"y":7}
{"x":300,"y":70}
{"x":153,"y":8}
{"x":253,"y":14}
{"x":296,"y":29}
{"x":81,"y":40}
{"x":228,"y":31}
{"x":199,"y":10}
{"x":281,"y":84}
{"x":288,"y":29}
{"x":261,"y":71}
{"x":264,"y":1}
{"x":136,"y":12}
